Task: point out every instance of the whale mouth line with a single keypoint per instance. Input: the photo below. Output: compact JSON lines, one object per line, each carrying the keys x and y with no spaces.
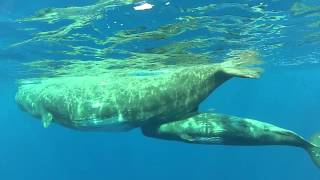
{"x":109,"y":124}
{"x":209,"y":140}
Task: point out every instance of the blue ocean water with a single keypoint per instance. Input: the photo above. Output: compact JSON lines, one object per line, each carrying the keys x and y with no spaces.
{"x":287,"y":95}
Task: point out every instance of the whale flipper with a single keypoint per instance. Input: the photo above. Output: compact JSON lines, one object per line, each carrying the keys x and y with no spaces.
{"x":314,"y":150}
{"x":46,"y":119}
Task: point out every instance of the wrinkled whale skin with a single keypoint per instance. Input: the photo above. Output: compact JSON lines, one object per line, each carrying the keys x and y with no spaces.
{"x":119,"y":103}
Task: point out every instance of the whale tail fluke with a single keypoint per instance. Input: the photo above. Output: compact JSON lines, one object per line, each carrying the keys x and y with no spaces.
{"x":314,"y":149}
{"x":243,"y":65}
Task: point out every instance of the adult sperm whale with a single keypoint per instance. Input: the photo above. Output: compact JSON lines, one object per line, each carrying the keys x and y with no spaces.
{"x":210,"y":128}
{"x":122,"y":102}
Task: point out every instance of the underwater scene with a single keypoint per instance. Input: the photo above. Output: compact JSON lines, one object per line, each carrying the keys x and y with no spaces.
{"x":159,"y":89}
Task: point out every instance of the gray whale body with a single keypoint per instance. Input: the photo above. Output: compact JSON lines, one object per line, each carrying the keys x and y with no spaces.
{"x":119,"y":103}
{"x":219,"y":129}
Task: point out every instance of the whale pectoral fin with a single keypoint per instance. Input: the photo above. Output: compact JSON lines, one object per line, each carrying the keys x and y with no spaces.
{"x":46,"y":119}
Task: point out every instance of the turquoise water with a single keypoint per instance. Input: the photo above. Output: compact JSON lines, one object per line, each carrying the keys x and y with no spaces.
{"x":285,"y":33}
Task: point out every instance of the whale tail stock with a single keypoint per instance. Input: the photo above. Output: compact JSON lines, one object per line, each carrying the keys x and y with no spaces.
{"x":242,"y":64}
{"x":314,"y":149}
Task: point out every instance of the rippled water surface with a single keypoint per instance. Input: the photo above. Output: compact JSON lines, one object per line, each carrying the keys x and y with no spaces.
{"x":48,"y":39}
